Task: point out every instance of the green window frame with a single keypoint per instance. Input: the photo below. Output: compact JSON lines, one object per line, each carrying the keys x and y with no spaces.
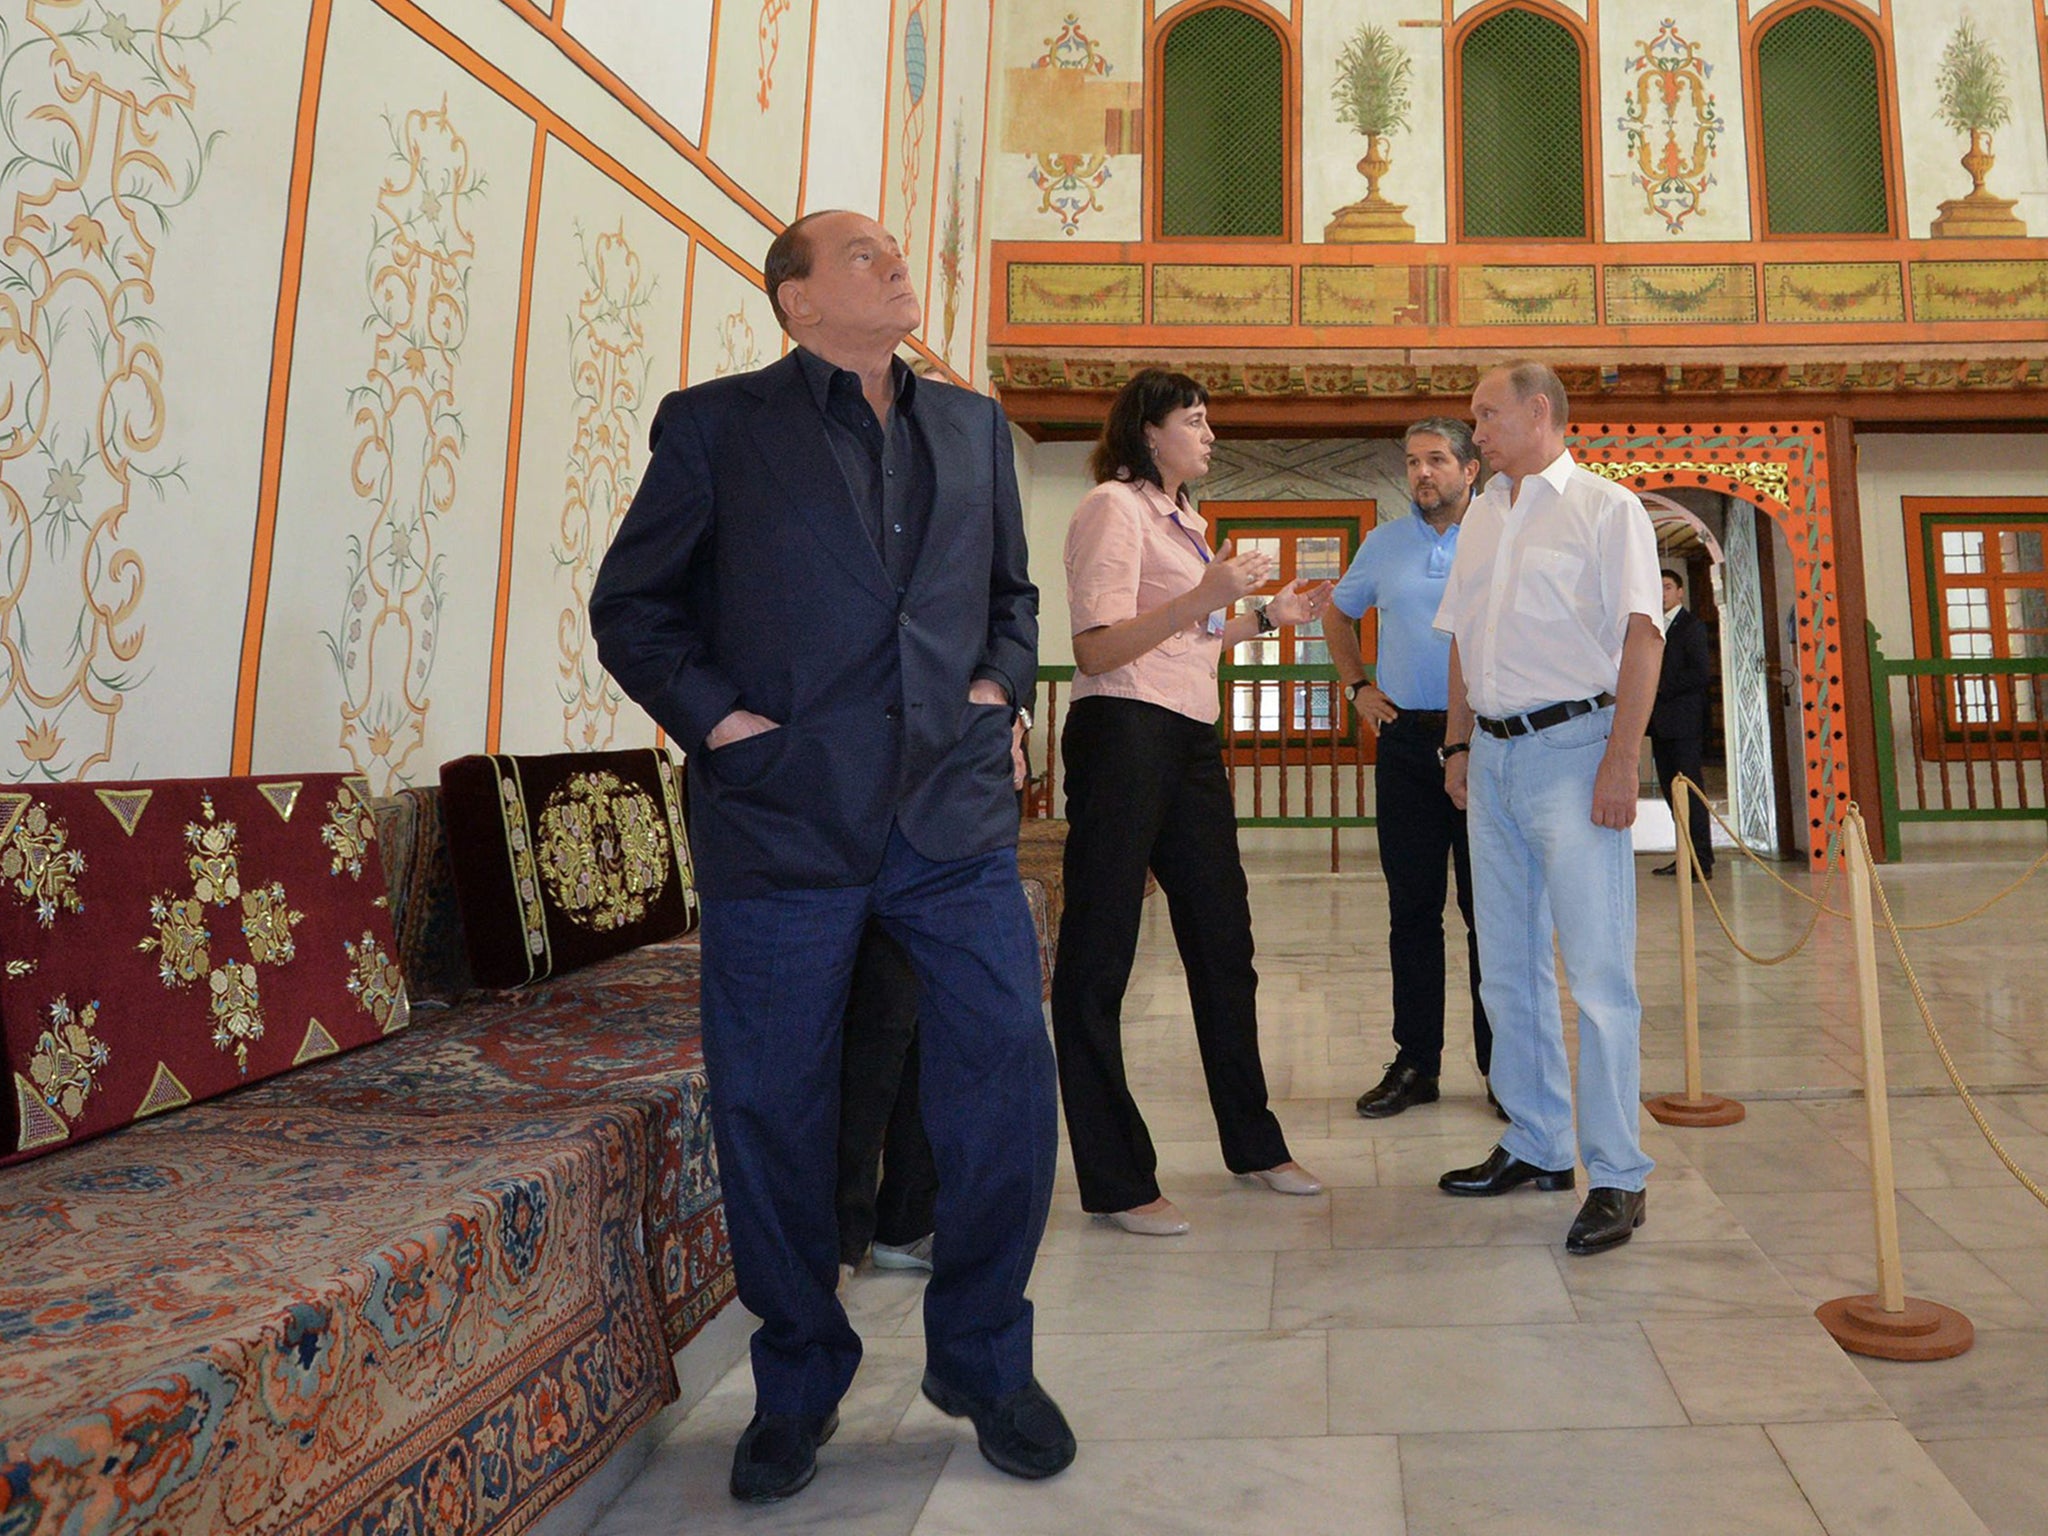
{"x":1820,"y":110}
{"x":1522,"y":129}
{"x":1223,"y":137}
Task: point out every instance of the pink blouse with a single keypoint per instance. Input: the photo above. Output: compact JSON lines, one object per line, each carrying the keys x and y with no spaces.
{"x":1130,"y":550}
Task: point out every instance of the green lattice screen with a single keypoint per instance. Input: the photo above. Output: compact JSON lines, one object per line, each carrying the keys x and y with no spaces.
{"x":1225,"y":96}
{"x":1823,"y":137}
{"x":1524,"y":130}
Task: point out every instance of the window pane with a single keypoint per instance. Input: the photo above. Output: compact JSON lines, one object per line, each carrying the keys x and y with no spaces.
{"x":1312,"y":707}
{"x":1980,"y":700}
{"x":1319,"y":558}
{"x":2026,"y":608}
{"x":1962,"y":552}
{"x":1242,"y":704}
{"x":1969,"y":643}
{"x":1267,"y":547}
{"x":2019,"y":552}
{"x":1312,"y":653}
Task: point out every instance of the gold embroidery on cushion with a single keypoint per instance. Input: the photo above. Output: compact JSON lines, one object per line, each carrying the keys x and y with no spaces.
{"x":216,"y":871}
{"x":237,"y":1012}
{"x":351,"y":827}
{"x":35,"y":862}
{"x":525,"y":879}
{"x":165,"y":1092}
{"x":672,"y":802}
{"x":125,"y":806}
{"x":378,"y":985}
{"x":12,"y":804}
{"x":180,"y":942}
{"x":283,"y":797}
{"x":67,"y":1058}
{"x":39,"y":1128}
{"x":267,"y":923}
{"x":318,"y":1043}
{"x":603,"y":850}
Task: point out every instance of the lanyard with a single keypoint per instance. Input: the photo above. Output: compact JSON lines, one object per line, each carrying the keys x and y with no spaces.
{"x":1188,"y":534}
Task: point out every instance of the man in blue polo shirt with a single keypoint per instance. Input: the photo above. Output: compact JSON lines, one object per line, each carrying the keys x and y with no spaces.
{"x":1400,"y":570}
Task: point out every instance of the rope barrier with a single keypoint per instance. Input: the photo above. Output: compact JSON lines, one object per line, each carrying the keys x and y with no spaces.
{"x":1948,"y":1065}
{"x":1820,"y":902}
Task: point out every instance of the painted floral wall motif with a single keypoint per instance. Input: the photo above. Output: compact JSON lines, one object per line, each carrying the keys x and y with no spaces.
{"x":739,"y":349}
{"x":1673,"y":127}
{"x":1069,"y":117}
{"x":916,"y":59}
{"x":104,"y":148}
{"x":409,"y":443}
{"x":768,"y":30}
{"x":610,"y":366}
{"x":950,"y":236}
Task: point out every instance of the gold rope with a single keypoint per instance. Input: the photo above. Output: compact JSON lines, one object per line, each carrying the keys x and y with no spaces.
{"x":1948,"y":1064}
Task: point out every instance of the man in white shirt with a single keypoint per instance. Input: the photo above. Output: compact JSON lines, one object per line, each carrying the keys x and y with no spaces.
{"x":1552,"y":608}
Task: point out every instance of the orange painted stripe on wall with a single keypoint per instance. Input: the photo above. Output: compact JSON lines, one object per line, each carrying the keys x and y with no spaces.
{"x":242,"y":748}
{"x":494,"y":717}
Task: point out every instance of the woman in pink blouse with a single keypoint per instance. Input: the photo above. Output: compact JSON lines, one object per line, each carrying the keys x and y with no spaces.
{"x":1152,"y":615}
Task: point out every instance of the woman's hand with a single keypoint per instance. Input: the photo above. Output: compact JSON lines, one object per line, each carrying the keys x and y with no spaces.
{"x":1229,"y":576}
{"x":1299,"y":604}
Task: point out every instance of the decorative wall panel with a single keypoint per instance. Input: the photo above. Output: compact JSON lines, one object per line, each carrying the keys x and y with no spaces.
{"x":1670,"y":117}
{"x":1331,"y":149}
{"x":1527,"y":295}
{"x":731,"y":327}
{"x":1072,"y":113}
{"x":1376,"y":295}
{"x":848,"y":133}
{"x":762,"y":70}
{"x":953,"y":303}
{"x":1050,"y":294}
{"x":1980,"y":290}
{"x":1745,"y":684}
{"x":1197,"y":295}
{"x":1696,"y":295}
{"x":660,"y":49}
{"x":1833,"y":291}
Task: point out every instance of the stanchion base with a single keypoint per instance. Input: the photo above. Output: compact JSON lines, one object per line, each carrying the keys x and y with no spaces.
{"x":1925,"y":1330}
{"x":1707,"y":1109}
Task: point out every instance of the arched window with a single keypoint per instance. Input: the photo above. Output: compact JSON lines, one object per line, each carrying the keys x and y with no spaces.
{"x":1223,"y":149}
{"x":1822,"y":126}
{"x":1522,"y":129}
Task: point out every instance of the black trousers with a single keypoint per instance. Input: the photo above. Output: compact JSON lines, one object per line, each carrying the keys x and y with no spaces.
{"x":880,"y":1127}
{"x":1146,"y":789}
{"x":1674,"y":755}
{"x":1421,"y":835}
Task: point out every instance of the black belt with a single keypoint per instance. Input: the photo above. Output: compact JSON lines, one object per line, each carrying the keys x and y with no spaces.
{"x":1543,"y":719}
{"x":1431,"y":718}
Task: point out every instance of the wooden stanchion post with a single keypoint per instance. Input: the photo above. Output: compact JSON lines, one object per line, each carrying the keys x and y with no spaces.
{"x":1889,"y":1323}
{"x":1696,"y":1107}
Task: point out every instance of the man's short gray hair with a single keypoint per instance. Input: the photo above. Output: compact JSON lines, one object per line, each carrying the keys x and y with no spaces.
{"x":1451,"y":430}
{"x":1530,"y":379}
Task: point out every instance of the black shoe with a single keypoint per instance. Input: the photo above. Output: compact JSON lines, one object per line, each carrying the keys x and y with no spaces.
{"x":1502,"y":1172}
{"x":1503,"y":1114}
{"x":1666,"y":869}
{"x":778,"y":1455}
{"x":1401,"y":1087}
{"x":1022,"y":1433}
{"x":1609,"y":1217}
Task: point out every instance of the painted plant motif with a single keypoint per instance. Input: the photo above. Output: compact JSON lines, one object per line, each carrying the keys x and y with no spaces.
{"x":739,"y":349}
{"x":610,"y":369}
{"x":768,"y":31}
{"x":104,"y":148}
{"x":950,"y":235}
{"x":915,"y":60}
{"x":409,"y":442}
{"x":1070,"y":185}
{"x":1673,"y":127}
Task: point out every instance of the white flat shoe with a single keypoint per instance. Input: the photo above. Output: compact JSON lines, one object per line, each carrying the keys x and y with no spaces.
{"x":1288,"y":1179}
{"x":1163,"y":1220}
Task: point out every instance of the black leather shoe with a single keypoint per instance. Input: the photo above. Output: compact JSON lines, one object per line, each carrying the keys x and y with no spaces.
{"x":1400,"y":1088}
{"x":778,"y":1455}
{"x":1666,"y":869}
{"x":1022,"y":1433}
{"x":1609,"y":1217}
{"x":1502,"y":1172}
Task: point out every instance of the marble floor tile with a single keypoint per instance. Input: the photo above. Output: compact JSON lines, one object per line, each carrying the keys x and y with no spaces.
{"x":1873,"y":1479}
{"x":860,"y":1490}
{"x":1651,"y":1280}
{"x":2005,"y":1481}
{"x":1615,"y":1482}
{"x":1477,"y":1378}
{"x":1182,"y":1386}
{"x":1155,"y":1291}
{"x":1968,"y":1282}
{"x":1760,"y":1371}
{"x":1225,"y":1214}
{"x":1999,"y":1388}
{"x":1285,"y":1487}
{"x":1827,"y":1221}
{"x":1413,"y":1217}
{"x":1418,"y":1287}
{"x":2024,"y":1269}
{"x":2002,"y":1217}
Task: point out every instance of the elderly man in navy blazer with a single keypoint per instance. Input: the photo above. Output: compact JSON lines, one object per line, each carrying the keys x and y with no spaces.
{"x":821,"y":593}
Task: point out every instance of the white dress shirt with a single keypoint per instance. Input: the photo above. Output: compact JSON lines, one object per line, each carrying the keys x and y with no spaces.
{"x":1541,"y":590}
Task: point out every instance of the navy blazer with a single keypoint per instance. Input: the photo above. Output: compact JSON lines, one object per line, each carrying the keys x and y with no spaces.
{"x":743,"y":577}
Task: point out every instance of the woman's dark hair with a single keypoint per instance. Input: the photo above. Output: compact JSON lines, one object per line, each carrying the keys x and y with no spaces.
{"x":1150,"y":397}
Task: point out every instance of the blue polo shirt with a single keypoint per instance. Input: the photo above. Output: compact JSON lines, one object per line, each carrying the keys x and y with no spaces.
{"x":1401,"y":569}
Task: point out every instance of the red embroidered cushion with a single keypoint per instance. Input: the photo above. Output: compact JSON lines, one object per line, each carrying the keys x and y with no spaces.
{"x":166,"y":941}
{"x":564,"y":858}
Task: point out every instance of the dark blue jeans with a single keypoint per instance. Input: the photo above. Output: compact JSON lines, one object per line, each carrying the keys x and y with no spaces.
{"x":776,"y":973}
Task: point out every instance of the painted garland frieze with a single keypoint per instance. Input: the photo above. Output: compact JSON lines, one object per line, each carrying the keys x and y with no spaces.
{"x":609,"y":373}
{"x":409,"y":442}
{"x":104,"y":149}
{"x":1673,"y":127}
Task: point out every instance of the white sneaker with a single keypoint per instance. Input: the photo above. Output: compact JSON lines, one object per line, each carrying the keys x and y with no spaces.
{"x":917,"y":1255}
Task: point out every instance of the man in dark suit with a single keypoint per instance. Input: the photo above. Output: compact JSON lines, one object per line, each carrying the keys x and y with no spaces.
{"x":1678,"y":722}
{"x":821,"y":593}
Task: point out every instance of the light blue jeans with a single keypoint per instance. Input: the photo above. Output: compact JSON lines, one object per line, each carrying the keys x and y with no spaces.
{"x":1540,"y":865}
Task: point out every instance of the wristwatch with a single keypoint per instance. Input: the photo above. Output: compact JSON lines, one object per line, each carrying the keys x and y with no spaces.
{"x":1022,"y":715}
{"x":1351,"y":689}
{"x":1451,"y":749}
{"x":1266,"y":624}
